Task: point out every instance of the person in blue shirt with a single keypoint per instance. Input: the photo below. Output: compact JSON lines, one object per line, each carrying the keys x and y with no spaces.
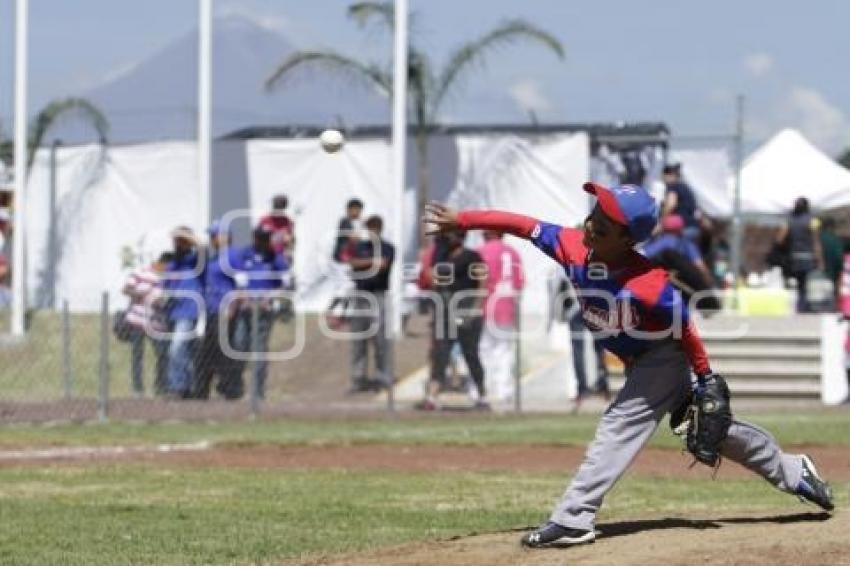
{"x":219,"y":278}
{"x":679,"y":199}
{"x":182,"y":286}
{"x":683,"y":260}
{"x":672,"y":238}
{"x":263,"y":270}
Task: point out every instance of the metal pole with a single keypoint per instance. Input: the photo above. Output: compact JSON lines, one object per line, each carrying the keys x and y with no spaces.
{"x":255,"y":353}
{"x":399,"y":152}
{"x":52,"y":243}
{"x":18,"y":287}
{"x":204,"y":108}
{"x":391,"y":353}
{"x":67,"y":371}
{"x":399,"y":141}
{"x":518,"y":360}
{"x":103,"y":367}
{"x":736,"y":199}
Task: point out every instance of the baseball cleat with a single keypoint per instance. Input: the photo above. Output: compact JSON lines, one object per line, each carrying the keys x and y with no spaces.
{"x":813,"y":488}
{"x":555,"y":534}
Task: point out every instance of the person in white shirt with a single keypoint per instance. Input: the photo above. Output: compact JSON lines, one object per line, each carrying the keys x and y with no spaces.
{"x":144,"y":317}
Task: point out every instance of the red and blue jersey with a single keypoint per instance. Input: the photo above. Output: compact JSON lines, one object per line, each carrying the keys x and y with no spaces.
{"x":630,"y":306}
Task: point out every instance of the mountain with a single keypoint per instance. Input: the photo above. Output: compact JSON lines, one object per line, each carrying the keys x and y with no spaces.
{"x":157,"y":98}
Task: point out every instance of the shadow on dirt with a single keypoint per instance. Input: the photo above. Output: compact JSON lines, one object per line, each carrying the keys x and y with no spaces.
{"x":623,"y":528}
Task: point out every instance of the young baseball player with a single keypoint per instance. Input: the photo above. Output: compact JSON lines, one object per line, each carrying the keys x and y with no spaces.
{"x":628,"y":302}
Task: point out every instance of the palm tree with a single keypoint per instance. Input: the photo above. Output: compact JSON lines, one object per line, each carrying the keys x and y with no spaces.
{"x":57,"y":109}
{"x":428,"y":88}
{"x":44,"y":120}
{"x":48,"y":116}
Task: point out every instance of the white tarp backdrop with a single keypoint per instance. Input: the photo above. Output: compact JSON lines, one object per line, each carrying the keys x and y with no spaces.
{"x":111,"y":207}
{"x":541,"y":178}
{"x":318,"y":186}
{"x":115,"y":207}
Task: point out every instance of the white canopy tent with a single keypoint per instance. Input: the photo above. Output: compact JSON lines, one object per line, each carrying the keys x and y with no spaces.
{"x":786,"y":167}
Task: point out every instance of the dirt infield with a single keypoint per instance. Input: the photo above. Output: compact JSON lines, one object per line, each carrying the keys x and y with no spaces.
{"x":803,"y":538}
{"x":651,"y":461}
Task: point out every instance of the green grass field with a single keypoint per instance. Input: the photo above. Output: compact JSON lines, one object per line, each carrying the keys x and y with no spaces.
{"x":142,"y":513}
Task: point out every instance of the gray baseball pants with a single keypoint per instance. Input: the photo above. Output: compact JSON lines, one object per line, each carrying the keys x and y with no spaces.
{"x":656,"y":384}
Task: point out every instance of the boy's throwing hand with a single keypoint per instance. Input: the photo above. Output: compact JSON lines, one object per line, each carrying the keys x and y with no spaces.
{"x":441,"y":218}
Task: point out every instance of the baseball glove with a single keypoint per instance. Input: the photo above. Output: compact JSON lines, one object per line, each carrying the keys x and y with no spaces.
{"x":705,"y":419}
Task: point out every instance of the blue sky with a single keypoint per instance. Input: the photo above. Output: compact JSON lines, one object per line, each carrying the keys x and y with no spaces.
{"x":679,"y":62}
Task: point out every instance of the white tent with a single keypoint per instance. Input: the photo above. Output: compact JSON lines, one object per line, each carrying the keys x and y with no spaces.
{"x":786,"y":167}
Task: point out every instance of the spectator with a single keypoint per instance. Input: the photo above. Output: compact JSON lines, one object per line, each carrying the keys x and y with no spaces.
{"x":672,"y":238}
{"x":570,"y":312}
{"x":266,"y":271}
{"x":4,"y":227}
{"x":145,"y":317}
{"x":832,"y":248}
{"x":800,"y":237}
{"x":844,"y":306}
{"x":347,"y":229}
{"x":681,"y":257}
{"x":457,"y":274}
{"x":219,"y":280}
{"x":346,"y":241}
{"x":679,"y":200}
{"x":281,"y":226}
{"x":5,"y":292}
{"x":183,"y":295}
{"x":503,"y":284}
{"x":371,"y":263}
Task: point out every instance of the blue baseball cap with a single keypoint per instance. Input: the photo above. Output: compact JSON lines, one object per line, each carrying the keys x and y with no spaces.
{"x":629,"y":205}
{"x":216,"y":228}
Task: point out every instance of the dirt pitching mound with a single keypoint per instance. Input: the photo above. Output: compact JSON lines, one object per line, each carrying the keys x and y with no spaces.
{"x":803,"y":538}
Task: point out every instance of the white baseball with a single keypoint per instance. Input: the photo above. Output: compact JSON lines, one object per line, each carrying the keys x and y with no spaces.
{"x":331,"y":140}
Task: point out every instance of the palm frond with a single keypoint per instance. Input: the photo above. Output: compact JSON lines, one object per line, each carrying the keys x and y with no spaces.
{"x":363,"y":12}
{"x":57,"y":109}
{"x":420,"y":85}
{"x":331,"y":62}
{"x":475,"y":52}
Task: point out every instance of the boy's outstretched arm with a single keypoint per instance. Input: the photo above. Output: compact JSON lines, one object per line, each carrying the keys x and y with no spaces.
{"x":446,"y":219}
{"x":562,"y":244}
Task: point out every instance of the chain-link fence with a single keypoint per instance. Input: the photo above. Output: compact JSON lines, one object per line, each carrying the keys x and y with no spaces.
{"x":73,"y":366}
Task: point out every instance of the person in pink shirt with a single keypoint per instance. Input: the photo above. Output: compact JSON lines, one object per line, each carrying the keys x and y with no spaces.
{"x":503,"y":284}
{"x":844,"y":304}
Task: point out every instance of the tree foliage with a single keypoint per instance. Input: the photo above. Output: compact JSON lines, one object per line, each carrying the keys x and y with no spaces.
{"x":61,"y":109}
{"x":428,"y":88}
{"x":844,"y":158}
{"x":51,"y":114}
